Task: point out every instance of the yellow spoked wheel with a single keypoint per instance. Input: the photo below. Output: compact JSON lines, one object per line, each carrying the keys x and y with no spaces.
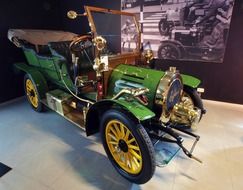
{"x":128,"y":146}
{"x":123,"y":147}
{"x":32,"y":94}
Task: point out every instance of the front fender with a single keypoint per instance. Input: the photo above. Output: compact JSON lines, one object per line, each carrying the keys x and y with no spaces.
{"x":37,"y":77}
{"x":138,"y":110}
{"x":132,"y":109}
{"x":190,"y":81}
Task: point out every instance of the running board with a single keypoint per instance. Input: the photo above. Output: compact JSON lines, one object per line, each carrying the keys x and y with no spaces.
{"x":59,"y":101}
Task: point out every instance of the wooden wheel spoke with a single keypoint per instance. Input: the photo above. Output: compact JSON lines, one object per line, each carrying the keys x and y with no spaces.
{"x":136,"y":162}
{"x":133,"y":166}
{"x":116,"y":127}
{"x":124,"y":158}
{"x":128,"y":163}
{"x":131,"y":140}
{"x":122,"y":131}
{"x":126,"y":135}
{"x":133,"y":147}
{"x":114,"y":132}
{"x":113,"y":142}
{"x":112,"y":136}
{"x":135,"y":154}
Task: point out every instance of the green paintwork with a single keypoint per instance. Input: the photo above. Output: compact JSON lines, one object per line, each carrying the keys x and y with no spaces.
{"x":49,"y":67}
{"x":36,"y":76}
{"x":190,"y":81}
{"x":138,"y":110}
{"x":138,"y":76}
{"x":43,"y":69}
{"x":126,"y":76}
{"x":31,"y":57}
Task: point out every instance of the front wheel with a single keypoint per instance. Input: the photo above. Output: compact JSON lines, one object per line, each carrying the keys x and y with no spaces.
{"x":127,"y":146}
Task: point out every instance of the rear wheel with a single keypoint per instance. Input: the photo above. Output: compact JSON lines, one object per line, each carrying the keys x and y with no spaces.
{"x":128,"y":147}
{"x":32,"y":93}
{"x":169,"y":51}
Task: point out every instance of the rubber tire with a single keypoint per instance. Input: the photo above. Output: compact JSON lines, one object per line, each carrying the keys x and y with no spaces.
{"x":40,"y":107}
{"x":173,"y":46}
{"x":143,"y":140}
{"x":164,"y":23}
{"x":197,"y":101}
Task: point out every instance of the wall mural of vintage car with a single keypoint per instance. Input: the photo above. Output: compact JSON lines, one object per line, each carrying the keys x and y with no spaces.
{"x":101,"y":87}
{"x":194,"y":30}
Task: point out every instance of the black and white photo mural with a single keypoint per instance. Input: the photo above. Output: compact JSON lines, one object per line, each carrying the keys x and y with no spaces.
{"x":194,"y":30}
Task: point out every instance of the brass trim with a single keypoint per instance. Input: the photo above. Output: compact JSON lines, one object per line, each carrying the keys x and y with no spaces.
{"x":162,"y":92}
{"x":132,"y":91}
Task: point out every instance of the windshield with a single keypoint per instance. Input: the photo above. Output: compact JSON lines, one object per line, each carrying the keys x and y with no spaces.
{"x":119,"y":30}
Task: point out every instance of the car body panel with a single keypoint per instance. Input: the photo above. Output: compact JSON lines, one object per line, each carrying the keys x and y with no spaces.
{"x":125,"y":76}
{"x":36,"y":76}
{"x":137,"y":109}
{"x":49,"y":66}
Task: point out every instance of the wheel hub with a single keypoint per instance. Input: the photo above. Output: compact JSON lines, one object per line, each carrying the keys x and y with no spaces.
{"x":32,"y":93}
{"x":123,"y":145}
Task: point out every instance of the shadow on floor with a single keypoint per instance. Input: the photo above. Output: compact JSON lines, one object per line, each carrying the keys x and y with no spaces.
{"x":96,"y":169}
{"x":91,"y":165}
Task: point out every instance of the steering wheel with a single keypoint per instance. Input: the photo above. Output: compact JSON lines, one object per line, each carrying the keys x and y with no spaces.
{"x":80,"y":43}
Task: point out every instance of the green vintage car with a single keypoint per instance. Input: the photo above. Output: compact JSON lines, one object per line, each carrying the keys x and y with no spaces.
{"x":102,"y":82}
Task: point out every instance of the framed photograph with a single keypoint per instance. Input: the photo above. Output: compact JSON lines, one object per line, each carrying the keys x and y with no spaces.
{"x":195,"y":30}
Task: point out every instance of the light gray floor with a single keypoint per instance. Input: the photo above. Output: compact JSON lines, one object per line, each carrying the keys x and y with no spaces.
{"x":48,"y":152}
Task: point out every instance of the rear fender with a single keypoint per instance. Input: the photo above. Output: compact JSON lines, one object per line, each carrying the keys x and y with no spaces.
{"x":133,"y":110}
{"x":36,"y":76}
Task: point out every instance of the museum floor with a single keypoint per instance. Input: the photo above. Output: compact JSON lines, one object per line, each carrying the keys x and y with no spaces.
{"x":48,"y":152}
